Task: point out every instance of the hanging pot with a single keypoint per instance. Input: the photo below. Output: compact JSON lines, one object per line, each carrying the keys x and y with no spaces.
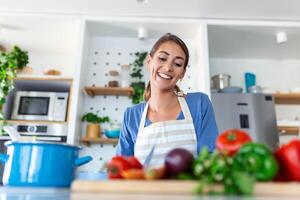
{"x":220,"y":81}
{"x":40,"y":164}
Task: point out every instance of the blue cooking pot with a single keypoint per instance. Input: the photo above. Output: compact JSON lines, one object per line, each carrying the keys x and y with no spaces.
{"x":40,"y":164}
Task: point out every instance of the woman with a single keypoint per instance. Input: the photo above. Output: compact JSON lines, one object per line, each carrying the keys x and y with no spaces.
{"x":168,"y":119}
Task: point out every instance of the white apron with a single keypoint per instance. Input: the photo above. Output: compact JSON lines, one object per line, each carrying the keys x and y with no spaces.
{"x":166,"y":136}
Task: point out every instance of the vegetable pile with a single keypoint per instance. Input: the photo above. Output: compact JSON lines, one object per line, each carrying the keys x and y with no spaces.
{"x":235,"y":165}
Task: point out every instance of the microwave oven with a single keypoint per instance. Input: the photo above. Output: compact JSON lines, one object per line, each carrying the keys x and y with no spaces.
{"x":36,"y":105}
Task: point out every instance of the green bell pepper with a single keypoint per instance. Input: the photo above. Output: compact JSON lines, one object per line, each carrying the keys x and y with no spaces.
{"x":257,"y":160}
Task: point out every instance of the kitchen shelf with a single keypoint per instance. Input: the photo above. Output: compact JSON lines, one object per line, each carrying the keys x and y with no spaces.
{"x":34,"y":122}
{"x":42,"y":78}
{"x":122,"y":91}
{"x":289,"y":98}
{"x":89,"y":141}
{"x":288,"y":130}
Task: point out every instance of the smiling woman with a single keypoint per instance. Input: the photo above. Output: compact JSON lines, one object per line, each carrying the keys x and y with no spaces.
{"x":168,"y":118}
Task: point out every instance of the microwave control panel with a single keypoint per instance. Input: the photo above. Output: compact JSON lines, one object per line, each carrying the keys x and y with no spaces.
{"x":42,"y":129}
{"x":60,"y":107}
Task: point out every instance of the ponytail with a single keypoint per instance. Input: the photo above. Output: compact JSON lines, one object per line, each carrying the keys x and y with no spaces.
{"x":147,"y":92}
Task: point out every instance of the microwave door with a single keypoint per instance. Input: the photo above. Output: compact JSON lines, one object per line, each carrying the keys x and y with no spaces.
{"x":34,"y":108}
{"x":28,"y":107}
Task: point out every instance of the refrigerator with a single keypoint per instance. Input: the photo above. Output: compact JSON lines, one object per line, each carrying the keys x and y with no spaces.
{"x":253,"y":113}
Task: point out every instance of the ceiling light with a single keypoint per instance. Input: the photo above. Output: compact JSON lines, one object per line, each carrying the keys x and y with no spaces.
{"x":281,"y":37}
{"x":142,"y":33}
{"x":142,"y":1}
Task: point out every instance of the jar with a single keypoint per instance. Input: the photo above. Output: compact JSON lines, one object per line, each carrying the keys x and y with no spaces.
{"x":113,"y":78}
{"x":125,"y":75}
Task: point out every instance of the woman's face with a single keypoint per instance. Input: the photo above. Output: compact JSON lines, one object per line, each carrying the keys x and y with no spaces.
{"x":166,"y":66}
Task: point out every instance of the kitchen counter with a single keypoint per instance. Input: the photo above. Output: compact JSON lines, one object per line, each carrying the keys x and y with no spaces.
{"x":23,"y":193}
{"x":29,"y":193}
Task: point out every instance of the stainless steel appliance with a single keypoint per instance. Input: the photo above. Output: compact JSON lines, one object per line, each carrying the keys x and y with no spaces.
{"x":253,"y":113}
{"x":33,"y":105}
{"x":44,"y":131}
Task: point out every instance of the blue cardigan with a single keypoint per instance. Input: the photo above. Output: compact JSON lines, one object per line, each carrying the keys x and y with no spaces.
{"x":203,"y":118}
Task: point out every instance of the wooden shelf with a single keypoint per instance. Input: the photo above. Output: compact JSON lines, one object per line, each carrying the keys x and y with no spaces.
{"x":289,"y":98}
{"x":43,"y":78}
{"x":34,"y":122}
{"x":288,"y":130}
{"x":89,"y":141}
{"x":122,"y":91}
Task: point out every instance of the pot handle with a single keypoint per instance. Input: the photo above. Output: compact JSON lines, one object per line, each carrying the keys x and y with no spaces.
{"x":83,"y":160}
{"x":3,"y":157}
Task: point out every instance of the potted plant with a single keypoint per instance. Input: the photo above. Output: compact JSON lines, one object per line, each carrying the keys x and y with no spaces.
{"x":93,"y":130}
{"x":10,"y":62}
{"x":137,"y":84}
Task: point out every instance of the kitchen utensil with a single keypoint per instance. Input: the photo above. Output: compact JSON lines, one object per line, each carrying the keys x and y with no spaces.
{"x":220,"y":81}
{"x":232,"y":89}
{"x":149,"y":157}
{"x":250,"y":80}
{"x":40,"y":164}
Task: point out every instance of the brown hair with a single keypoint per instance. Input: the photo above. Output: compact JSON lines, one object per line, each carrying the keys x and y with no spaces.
{"x":168,"y":37}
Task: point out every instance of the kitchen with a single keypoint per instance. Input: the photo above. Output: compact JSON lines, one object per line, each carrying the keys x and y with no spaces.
{"x":79,"y":43}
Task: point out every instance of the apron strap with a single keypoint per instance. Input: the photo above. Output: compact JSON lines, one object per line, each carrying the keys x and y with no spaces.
{"x":143,"y":119}
{"x":185,"y":108}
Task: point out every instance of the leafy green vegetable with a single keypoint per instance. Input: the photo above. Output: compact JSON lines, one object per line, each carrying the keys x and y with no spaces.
{"x":9,"y":63}
{"x":138,"y":85}
{"x":243,"y":181}
{"x":94,"y":118}
{"x":216,"y":168}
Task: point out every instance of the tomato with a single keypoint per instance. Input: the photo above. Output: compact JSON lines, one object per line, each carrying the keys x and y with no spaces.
{"x":288,"y":157}
{"x":134,"y":162}
{"x":230,"y":141}
{"x":116,"y":166}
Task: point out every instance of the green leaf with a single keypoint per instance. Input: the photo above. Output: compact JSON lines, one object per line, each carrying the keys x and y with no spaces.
{"x":9,"y":62}
{"x":244,"y":182}
{"x":94,"y":118}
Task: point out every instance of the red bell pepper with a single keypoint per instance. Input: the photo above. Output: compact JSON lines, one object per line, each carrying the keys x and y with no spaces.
{"x":230,"y":141}
{"x":119,"y":164}
{"x":116,"y":166}
{"x":134,"y":162}
{"x":288,"y":157}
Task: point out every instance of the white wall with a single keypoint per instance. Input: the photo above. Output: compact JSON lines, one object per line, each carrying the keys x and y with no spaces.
{"x":40,"y":62}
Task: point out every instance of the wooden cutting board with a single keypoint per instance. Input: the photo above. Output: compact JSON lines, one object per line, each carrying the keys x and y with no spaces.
{"x":174,"y":187}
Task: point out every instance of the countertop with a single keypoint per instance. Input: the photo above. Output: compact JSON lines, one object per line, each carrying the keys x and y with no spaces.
{"x":24,"y":193}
